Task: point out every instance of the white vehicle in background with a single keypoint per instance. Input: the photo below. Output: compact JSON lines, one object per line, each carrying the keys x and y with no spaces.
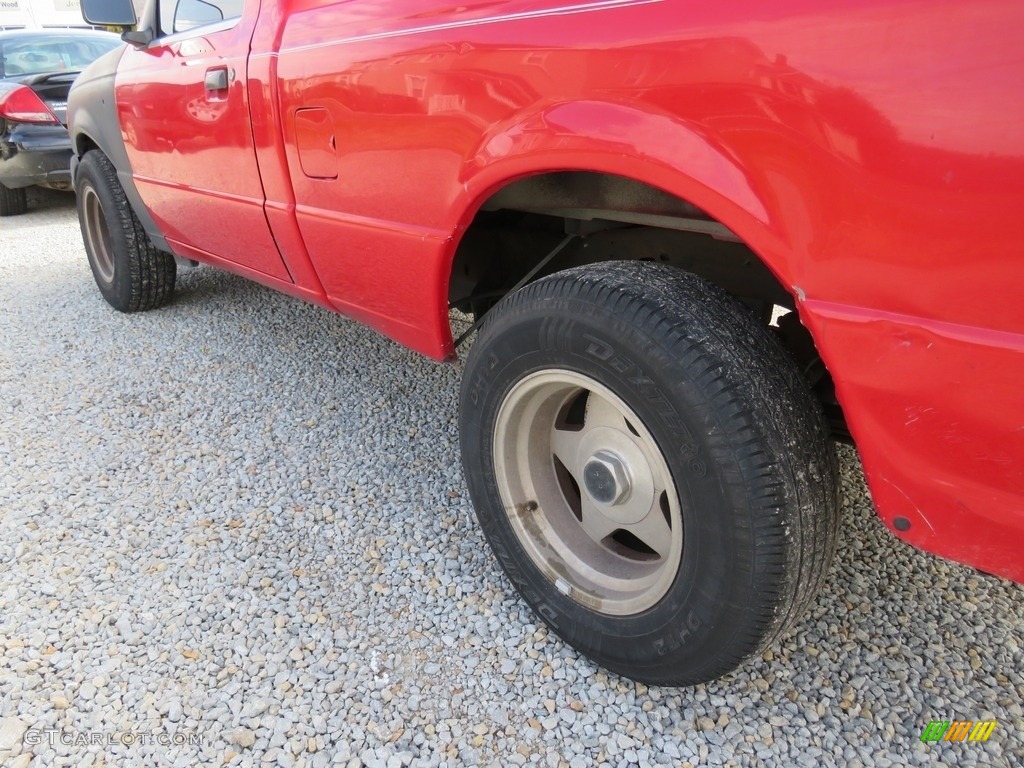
{"x":41,"y":14}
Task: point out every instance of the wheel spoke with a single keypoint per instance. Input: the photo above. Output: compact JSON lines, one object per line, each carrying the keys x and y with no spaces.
{"x":653,"y":531}
{"x":565,"y":444}
{"x":597,"y":525}
{"x":601,"y":413}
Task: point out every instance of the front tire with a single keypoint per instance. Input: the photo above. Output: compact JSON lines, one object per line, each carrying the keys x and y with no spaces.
{"x":130,"y":272}
{"x":13,"y":202}
{"x":649,"y":468}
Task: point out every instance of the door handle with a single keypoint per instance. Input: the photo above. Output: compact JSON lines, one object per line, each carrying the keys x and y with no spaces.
{"x":217,"y":79}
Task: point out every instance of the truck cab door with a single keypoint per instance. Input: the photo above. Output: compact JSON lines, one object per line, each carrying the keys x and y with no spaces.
{"x":184,"y":113}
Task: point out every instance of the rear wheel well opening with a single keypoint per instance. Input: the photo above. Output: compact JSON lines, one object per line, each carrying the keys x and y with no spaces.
{"x":83,"y":144}
{"x":617,"y":218}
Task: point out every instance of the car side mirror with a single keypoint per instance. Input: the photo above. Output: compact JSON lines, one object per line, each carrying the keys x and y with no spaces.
{"x":109,"y":13}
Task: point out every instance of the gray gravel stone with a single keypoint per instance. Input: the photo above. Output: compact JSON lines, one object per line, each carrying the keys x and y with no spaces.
{"x":12,"y":730}
{"x":243,"y":737}
{"x":243,"y":507}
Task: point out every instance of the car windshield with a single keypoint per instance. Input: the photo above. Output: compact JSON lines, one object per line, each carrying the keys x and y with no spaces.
{"x":36,"y":54}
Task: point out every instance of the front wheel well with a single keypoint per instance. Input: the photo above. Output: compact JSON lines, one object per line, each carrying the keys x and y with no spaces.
{"x":84,"y":143}
{"x":616,"y":218}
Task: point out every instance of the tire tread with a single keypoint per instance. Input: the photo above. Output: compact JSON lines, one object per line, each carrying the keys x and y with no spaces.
{"x":151,"y":272}
{"x":13,"y":202}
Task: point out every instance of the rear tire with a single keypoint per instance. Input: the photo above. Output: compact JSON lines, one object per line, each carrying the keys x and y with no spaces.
{"x":130,"y":272}
{"x":649,"y":468}
{"x":13,"y":202}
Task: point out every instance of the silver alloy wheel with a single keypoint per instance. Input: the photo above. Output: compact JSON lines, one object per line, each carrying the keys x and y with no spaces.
{"x":588,"y":492}
{"x":97,"y":234}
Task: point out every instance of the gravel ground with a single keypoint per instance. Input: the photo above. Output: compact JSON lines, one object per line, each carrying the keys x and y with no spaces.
{"x":239,"y":524}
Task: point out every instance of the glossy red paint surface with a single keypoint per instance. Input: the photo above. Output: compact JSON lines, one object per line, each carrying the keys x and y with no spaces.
{"x":191,"y":148}
{"x":871,"y":153}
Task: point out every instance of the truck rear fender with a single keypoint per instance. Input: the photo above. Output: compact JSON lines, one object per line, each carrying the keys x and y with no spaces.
{"x":654,"y":149}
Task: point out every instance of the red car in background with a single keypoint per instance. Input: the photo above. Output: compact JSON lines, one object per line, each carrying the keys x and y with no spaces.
{"x":697,"y":241}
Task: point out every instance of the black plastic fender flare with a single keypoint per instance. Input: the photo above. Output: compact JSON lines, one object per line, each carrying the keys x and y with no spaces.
{"x":92,"y":113}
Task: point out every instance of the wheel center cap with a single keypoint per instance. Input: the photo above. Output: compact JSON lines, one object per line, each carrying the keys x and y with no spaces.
{"x":606,"y":478}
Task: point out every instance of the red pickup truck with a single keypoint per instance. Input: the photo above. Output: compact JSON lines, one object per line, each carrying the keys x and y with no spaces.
{"x":697,"y":242}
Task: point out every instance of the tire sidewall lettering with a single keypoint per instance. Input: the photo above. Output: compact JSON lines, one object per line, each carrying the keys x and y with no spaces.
{"x":606,"y":352}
